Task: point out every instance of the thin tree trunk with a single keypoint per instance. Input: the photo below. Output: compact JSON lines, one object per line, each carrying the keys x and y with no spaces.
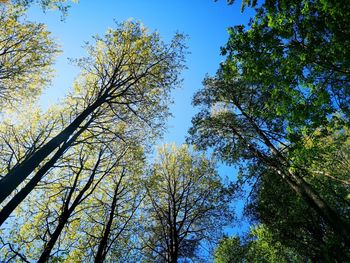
{"x":67,"y":211}
{"x":316,"y":202}
{"x":49,"y":246}
{"x":101,"y":251}
{"x":300,"y":186}
{"x":175,"y":245}
{"x":18,"y":174}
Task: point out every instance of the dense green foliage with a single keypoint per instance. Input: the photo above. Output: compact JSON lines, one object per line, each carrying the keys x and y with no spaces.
{"x":278,"y":107}
{"x":292,"y":223}
{"x":258,"y":246}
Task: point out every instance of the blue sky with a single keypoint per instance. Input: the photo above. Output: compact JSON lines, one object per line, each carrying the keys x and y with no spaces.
{"x":204,"y":21}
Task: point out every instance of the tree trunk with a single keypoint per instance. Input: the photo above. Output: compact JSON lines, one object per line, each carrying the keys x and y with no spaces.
{"x":340,"y":227}
{"x":102,"y":248}
{"x":174,"y":253}
{"x":18,"y":174}
{"x":281,"y":165}
{"x":49,"y":246}
{"x":25,"y":191}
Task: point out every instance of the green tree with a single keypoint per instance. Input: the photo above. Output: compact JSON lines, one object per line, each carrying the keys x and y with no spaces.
{"x":127,"y":77}
{"x":291,"y":223}
{"x":186,"y":203}
{"x":285,"y":79}
{"x":83,"y":209}
{"x":230,"y":249}
{"x":61,"y":5}
{"x":23,"y":133}
{"x":258,"y":246}
{"x":27,"y":52}
{"x":87,"y":174}
{"x":114,"y":231}
{"x":289,"y":218}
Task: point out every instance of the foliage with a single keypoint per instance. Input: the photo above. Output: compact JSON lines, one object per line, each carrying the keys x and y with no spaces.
{"x":288,"y":217}
{"x":61,"y":5}
{"x":27,"y":52}
{"x":244,"y":3}
{"x":127,"y":78}
{"x":285,"y":79}
{"x":258,"y":246}
{"x":229,"y":250}
{"x":186,"y":205}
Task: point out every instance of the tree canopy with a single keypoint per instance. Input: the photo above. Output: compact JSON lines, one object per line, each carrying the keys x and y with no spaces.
{"x":186,"y":204}
{"x":284,"y":83}
{"x":27,"y":51}
{"x":80,"y":182}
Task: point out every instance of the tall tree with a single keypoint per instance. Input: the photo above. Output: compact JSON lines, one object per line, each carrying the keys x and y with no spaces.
{"x":74,"y":200}
{"x":123,"y":207}
{"x":110,"y":223}
{"x":295,"y":225}
{"x":80,"y":190}
{"x":27,"y":51}
{"x":187,"y":204}
{"x":129,"y":73}
{"x":284,"y":79}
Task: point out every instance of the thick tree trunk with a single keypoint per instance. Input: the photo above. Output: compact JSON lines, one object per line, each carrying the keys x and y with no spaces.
{"x":25,"y":191}
{"x":17,"y":175}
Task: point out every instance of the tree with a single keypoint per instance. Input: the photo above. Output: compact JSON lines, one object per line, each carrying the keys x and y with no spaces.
{"x":27,"y":52}
{"x":186,"y":204}
{"x":111,"y":223}
{"x":278,"y":87}
{"x":128,"y":76}
{"x":287,"y":216}
{"x":24,"y":133}
{"x":258,"y":246}
{"x":80,"y":190}
{"x":229,"y":250}
{"x":122,"y":210}
{"x":61,"y":5}
{"x":66,"y":214}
